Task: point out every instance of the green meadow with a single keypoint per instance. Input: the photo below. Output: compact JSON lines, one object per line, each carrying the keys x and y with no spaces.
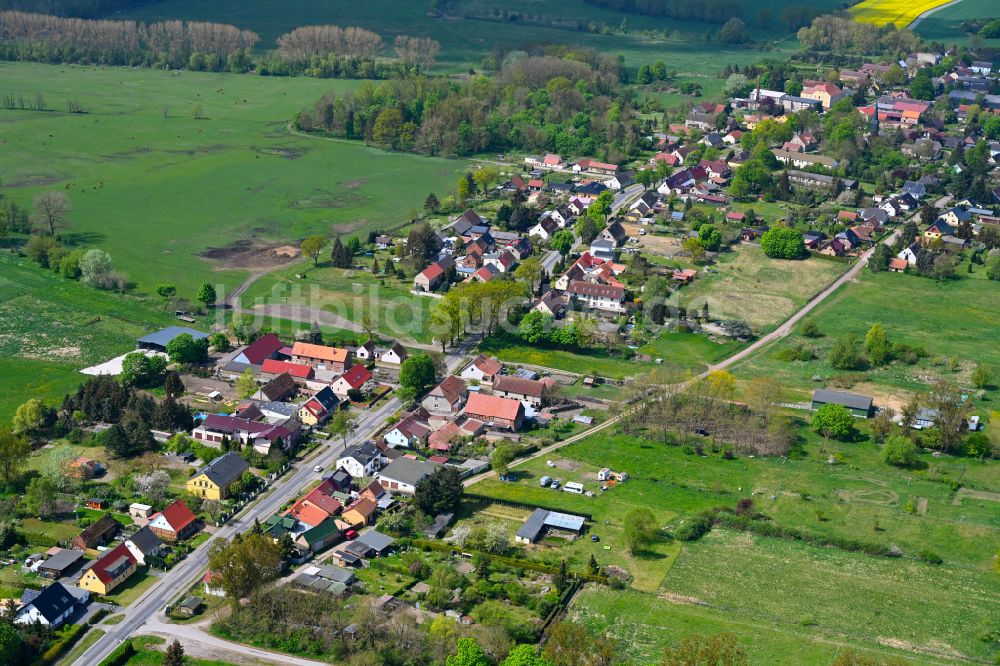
{"x":473,"y":29}
{"x":787,"y":602}
{"x":945,"y":25}
{"x":952,"y":320}
{"x":51,"y":327}
{"x":159,"y":188}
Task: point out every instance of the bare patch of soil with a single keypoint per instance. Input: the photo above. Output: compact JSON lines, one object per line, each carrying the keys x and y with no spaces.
{"x":664,"y":246}
{"x":287,"y":153}
{"x":352,"y":184}
{"x":35,"y":180}
{"x":567,"y":465}
{"x":249,"y":254}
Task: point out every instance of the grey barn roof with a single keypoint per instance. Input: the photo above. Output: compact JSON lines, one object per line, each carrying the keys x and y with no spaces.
{"x":62,"y":560}
{"x":849,"y":400}
{"x":542,"y":518}
{"x":163,"y":337}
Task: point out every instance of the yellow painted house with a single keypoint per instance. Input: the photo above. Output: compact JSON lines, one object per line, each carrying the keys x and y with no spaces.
{"x":213,"y":481}
{"x":109,"y":571}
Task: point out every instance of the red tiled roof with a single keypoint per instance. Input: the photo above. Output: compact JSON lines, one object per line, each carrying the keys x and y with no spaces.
{"x":518,"y":385}
{"x":356,"y":376}
{"x":491,"y":406}
{"x":432,"y":271}
{"x":177,"y":515}
{"x":100,"y":567}
{"x":488,"y":366}
{"x":276,"y":367}
{"x":262,"y":348}
{"x":898,"y":264}
{"x":329,"y":504}
{"x":308,"y":513}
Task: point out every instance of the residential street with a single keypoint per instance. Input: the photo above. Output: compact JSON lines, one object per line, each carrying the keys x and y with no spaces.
{"x":178,"y":579}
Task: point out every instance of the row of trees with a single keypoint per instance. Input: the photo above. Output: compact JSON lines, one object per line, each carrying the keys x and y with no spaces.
{"x":841,"y":34}
{"x":710,"y":11}
{"x":26,"y":36}
{"x":533,"y":103}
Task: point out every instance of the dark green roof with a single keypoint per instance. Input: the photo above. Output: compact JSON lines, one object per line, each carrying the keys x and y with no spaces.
{"x":322,"y":531}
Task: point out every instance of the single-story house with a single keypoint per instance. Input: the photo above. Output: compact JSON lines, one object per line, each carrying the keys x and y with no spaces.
{"x":495,"y":411}
{"x":403,"y":474}
{"x":483,"y":370}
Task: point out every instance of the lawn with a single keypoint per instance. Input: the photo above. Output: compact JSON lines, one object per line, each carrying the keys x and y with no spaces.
{"x":745,"y":284}
{"x":347,"y":295}
{"x":681,"y":349}
{"x":471,"y":30}
{"x":898,"y":12}
{"x":913,"y":310}
{"x":133,"y":588}
{"x":159,"y":189}
{"x":81,"y":646}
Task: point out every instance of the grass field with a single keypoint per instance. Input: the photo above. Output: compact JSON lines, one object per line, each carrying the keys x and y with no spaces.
{"x":348,"y":294}
{"x":158,"y":188}
{"x":471,"y":33}
{"x":786,"y":599}
{"x":656,"y":621}
{"x":51,"y":327}
{"x":897,"y":12}
{"x":944,"y":25}
{"x":912,"y":310}
{"x":745,"y":284}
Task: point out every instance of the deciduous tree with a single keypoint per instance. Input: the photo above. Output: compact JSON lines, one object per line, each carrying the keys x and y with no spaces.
{"x":51,"y":210}
{"x":312,"y":246}
{"x":14,"y":452}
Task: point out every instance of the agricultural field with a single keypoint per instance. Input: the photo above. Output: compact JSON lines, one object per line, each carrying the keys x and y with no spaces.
{"x":917,"y":313}
{"x":745,"y":284}
{"x":945,"y":24}
{"x":180,"y":199}
{"x":51,"y":327}
{"x":862,"y":498}
{"x":472,"y":29}
{"x":897,"y":12}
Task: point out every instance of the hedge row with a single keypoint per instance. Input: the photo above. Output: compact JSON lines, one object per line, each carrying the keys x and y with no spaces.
{"x":771,"y":529}
{"x":120,"y":655}
{"x":70,"y":636}
{"x":39,"y":539}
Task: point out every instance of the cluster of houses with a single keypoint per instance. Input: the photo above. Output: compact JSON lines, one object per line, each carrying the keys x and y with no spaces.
{"x":299,"y":387}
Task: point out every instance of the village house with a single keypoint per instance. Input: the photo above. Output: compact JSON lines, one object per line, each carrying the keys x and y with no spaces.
{"x":403,"y":474}
{"x":360,"y":460}
{"x":482,"y":370}
{"x":431,"y":277}
{"x":254,"y":354}
{"x":261,"y":436}
{"x":318,"y":408}
{"x":98,"y":533}
{"x":143,"y":544}
{"x":356,"y":377}
{"x":495,"y":412}
{"x":804,"y":160}
{"x":278,"y":389}
{"x":53,"y":606}
{"x":109,"y":571}
{"x":407,"y":432}
{"x":551,"y":303}
{"x":530,"y":392}
{"x":321,"y":357}
{"x":447,"y":397}
{"x":360,"y":513}
{"x":297,"y":371}
{"x":213,"y":480}
{"x":174,"y":523}
{"x":827,"y":93}
{"x":605,"y":298}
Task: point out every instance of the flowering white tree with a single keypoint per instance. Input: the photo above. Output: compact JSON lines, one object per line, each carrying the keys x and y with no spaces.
{"x":153,"y":485}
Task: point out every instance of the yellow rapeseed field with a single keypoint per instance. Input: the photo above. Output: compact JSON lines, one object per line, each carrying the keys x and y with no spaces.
{"x":900,"y":13}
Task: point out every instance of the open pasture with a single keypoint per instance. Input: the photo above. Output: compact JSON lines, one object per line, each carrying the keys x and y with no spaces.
{"x":187,"y":177}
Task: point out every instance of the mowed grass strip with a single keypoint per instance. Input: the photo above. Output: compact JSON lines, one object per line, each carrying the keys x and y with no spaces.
{"x":900,"y":13}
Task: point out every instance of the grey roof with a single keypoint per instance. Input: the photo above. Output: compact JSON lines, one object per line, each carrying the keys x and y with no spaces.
{"x":193,"y":602}
{"x":163,"y":337}
{"x":440,"y":524}
{"x":336,"y":574}
{"x":542,"y":518}
{"x":282,"y":408}
{"x":363,"y":453}
{"x":53,"y":601}
{"x":226,"y":468}
{"x":145,"y":540}
{"x":407,"y":470}
{"x":376,"y":540}
{"x":62,"y":560}
{"x":849,"y":400}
